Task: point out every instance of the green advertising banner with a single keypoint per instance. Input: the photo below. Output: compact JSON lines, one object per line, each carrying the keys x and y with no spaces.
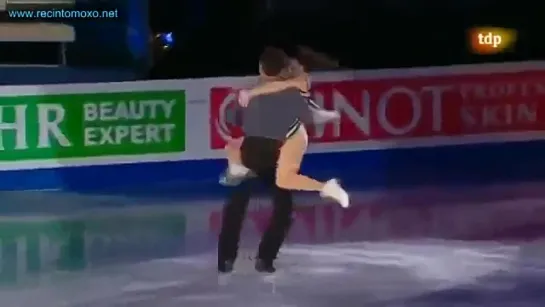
{"x":57,"y":126}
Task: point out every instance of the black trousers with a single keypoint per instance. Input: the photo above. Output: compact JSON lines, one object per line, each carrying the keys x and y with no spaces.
{"x":261,"y":156}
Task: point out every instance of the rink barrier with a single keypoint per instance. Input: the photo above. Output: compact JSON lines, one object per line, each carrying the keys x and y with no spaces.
{"x":465,"y":123}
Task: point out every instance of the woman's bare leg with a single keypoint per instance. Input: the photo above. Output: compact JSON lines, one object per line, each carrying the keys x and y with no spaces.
{"x":288,"y":177}
{"x":289,"y":163}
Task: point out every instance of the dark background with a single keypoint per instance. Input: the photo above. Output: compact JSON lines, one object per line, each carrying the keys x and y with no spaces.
{"x":227,"y":36}
{"x":219,"y":38}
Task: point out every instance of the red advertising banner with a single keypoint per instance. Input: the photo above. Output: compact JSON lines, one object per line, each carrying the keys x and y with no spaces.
{"x":221,"y":101}
{"x":419,"y":107}
{"x":432,"y":106}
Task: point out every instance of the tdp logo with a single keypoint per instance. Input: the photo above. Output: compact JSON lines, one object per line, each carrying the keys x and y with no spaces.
{"x":491,"y":40}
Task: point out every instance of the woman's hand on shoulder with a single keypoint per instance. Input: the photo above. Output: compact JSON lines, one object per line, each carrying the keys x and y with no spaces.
{"x":244,"y":98}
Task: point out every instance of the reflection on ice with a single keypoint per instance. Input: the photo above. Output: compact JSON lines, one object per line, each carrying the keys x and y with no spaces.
{"x":409,"y":273}
{"x":399,"y":265}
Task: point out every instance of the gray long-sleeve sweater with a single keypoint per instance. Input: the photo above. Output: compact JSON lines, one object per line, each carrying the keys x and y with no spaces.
{"x":272,"y":116}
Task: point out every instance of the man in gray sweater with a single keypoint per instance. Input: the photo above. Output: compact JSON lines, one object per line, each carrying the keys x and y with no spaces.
{"x":267,"y":121}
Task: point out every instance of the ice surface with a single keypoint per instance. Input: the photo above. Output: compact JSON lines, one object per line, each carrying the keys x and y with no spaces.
{"x":487,"y":250}
{"x":410,"y":273}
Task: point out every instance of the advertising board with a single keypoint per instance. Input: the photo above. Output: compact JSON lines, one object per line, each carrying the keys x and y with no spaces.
{"x":45,"y":130}
{"x":415,"y":111}
{"x":62,"y":136}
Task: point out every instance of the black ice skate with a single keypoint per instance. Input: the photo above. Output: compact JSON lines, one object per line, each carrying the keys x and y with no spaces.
{"x":264,"y":266}
{"x":225,"y":267}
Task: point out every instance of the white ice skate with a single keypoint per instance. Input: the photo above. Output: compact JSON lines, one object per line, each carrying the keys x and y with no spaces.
{"x":333,"y":190}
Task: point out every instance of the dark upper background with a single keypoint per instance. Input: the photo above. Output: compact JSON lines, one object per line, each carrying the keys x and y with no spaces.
{"x":360,"y":33}
{"x":218,"y":37}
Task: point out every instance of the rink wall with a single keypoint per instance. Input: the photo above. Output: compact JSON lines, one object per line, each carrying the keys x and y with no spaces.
{"x":458,"y":124}
{"x":130,"y":169}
